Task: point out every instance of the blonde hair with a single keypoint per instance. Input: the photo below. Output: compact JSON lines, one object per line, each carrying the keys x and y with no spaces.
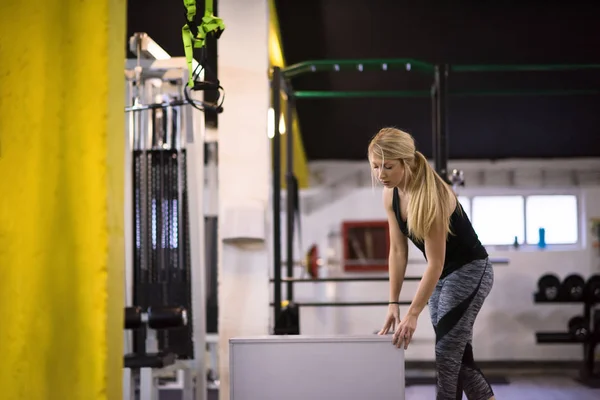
{"x":429,"y":196}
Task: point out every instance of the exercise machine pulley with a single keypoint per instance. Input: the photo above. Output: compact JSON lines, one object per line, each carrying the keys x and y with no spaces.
{"x":164,"y":183}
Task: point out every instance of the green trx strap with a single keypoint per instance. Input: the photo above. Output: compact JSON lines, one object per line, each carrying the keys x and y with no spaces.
{"x":194,"y":35}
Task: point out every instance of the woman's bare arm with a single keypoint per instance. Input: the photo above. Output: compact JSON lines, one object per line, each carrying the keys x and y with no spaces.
{"x":398,"y":255}
{"x":435,"y":248}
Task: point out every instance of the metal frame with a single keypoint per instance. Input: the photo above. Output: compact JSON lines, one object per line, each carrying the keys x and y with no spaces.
{"x":195,"y":176}
{"x":276,"y":84}
{"x":439,"y":94}
{"x":280,"y":84}
{"x":192,"y":372}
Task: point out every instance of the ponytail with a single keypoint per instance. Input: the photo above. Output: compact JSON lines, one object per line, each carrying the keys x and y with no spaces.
{"x":430,"y":198}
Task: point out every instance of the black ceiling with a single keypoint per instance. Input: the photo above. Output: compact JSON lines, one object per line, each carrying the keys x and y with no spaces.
{"x":457,"y":32}
{"x":467,"y":32}
{"x":162,"y":20}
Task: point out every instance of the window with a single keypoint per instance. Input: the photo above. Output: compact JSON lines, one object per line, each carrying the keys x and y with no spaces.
{"x":557,"y":214}
{"x":466,"y":205}
{"x":498,"y":219}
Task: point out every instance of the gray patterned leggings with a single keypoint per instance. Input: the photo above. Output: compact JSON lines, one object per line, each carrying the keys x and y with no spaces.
{"x":454,"y":305}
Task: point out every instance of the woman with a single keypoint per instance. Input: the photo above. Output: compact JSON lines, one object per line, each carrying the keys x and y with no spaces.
{"x":459,"y":275}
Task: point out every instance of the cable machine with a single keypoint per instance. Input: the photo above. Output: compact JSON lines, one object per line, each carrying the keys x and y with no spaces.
{"x":164,"y":226}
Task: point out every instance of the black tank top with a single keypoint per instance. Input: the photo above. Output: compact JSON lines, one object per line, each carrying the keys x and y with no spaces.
{"x":462,"y":246}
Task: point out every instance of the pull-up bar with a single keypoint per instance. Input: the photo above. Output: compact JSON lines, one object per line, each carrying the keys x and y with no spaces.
{"x":356,"y":94}
{"x":383,"y":64}
{"x":410,"y":64}
{"x":346,"y":94}
{"x":523,"y":68}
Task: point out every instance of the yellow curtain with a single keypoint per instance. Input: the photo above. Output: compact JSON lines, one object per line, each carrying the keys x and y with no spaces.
{"x":61,"y":199}
{"x":276,"y":59}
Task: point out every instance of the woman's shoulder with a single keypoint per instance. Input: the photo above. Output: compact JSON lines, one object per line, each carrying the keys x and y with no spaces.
{"x":388,"y":197}
{"x":452,"y":206}
{"x":453,"y":202}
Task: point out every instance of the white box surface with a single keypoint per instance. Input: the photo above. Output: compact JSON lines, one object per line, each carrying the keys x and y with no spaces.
{"x":299,"y":367}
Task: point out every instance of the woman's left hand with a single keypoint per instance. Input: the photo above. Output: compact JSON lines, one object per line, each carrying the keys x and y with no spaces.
{"x":404,"y":331}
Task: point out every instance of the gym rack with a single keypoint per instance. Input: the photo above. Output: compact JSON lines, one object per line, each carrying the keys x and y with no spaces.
{"x":588,"y":340}
{"x":280,"y":83}
{"x":281,"y":88}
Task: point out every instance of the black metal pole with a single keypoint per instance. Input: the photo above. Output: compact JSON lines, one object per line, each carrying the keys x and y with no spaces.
{"x":434,"y":120}
{"x":291,"y":193}
{"x":276,"y":151}
{"x":441,"y":133}
{"x":443,"y":124}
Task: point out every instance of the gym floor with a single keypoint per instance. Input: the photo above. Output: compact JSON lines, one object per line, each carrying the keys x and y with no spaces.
{"x":524,"y":388}
{"x":521,"y":387}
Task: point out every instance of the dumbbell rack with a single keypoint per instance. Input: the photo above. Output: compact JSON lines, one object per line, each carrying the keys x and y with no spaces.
{"x":588,"y":376}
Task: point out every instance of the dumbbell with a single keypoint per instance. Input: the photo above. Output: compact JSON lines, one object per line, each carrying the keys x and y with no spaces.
{"x":548,"y":286}
{"x":578,"y":327}
{"x":592,"y":289}
{"x":160,"y":317}
{"x":573,"y":287}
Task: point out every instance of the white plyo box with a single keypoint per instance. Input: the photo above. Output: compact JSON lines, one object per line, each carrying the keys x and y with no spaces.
{"x":299,"y":367}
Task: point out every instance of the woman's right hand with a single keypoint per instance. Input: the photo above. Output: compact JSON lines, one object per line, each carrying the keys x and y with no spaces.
{"x":392,"y":320}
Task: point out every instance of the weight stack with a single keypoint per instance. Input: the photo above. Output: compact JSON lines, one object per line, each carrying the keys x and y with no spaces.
{"x":161,"y":258}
